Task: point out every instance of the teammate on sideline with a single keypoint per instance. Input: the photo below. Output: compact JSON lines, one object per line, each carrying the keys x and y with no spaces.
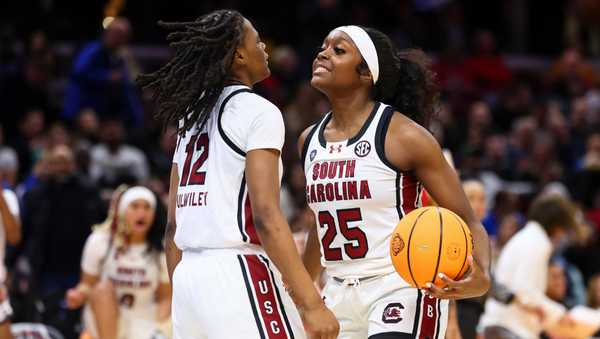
{"x":366,"y":164}
{"x":10,"y":231}
{"x":124,"y":276}
{"x":224,"y":193}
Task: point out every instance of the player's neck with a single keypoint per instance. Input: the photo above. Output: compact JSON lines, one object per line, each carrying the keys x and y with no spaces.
{"x":137,"y":239}
{"x":349,"y":110}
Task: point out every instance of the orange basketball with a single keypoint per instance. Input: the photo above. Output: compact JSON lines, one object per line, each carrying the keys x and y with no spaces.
{"x":430,"y":240}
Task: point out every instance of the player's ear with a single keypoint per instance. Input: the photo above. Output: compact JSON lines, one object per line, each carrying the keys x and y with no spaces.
{"x":365,"y":75}
{"x":239,"y":57}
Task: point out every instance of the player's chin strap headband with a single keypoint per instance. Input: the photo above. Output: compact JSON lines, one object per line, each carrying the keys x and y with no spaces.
{"x":135,"y":193}
{"x":365,"y":46}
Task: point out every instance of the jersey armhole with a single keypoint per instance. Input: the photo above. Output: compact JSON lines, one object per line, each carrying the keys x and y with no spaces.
{"x":227,"y":140}
{"x":307,"y":143}
{"x":380,"y":134}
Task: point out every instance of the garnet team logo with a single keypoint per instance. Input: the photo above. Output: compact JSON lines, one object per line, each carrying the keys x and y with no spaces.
{"x":335,"y":148}
{"x":362,"y":148}
{"x":392,"y":313}
{"x":397,"y":244}
{"x":313,"y":154}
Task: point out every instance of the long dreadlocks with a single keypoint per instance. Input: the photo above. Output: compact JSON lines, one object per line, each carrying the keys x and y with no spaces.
{"x":189,"y":85}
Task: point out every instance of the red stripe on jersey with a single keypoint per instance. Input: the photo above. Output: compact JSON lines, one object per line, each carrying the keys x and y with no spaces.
{"x":409,"y":193}
{"x":249,"y":223}
{"x":264,"y":293}
{"x":429,"y":317}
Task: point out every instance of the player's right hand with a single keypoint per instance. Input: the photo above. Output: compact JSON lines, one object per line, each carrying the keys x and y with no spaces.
{"x":320,"y":323}
{"x":74,"y":298}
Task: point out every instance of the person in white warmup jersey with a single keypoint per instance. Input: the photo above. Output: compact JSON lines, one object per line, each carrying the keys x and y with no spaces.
{"x":366,"y":164}
{"x":124,"y":277}
{"x":10,"y":231}
{"x":229,"y":247}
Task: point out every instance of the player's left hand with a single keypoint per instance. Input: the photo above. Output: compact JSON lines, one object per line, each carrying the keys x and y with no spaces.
{"x":475,"y":284}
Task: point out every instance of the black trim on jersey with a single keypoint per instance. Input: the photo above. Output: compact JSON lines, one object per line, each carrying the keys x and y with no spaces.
{"x":307,"y":143}
{"x":283,"y":314}
{"x":382,"y":128}
{"x":221,"y":131}
{"x":398,"y":207}
{"x":240,"y":208}
{"x":391,"y":335}
{"x":365,"y":126}
{"x":251,"y":296}
{"x":439,"y":315}
{"x":417,"y":314}
{"x":324,"y":122}
{"x":358,"y":135}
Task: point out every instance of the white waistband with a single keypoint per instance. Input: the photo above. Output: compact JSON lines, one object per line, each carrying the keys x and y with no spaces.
{"x":256,"y":250}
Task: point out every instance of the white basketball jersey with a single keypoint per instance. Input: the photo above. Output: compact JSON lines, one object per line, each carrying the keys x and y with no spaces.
{"x":357,"y":196}
{"x":134,"y":272}
{"x":213,"y":208}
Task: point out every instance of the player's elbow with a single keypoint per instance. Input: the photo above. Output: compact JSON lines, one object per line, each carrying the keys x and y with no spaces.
{"x":266,"y":217}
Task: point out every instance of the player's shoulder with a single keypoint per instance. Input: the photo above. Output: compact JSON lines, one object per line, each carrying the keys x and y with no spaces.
{"x":250,"y":101}
{"x":406,"y":131}
{"x":304,"y":137}
{"x":99,"y":236}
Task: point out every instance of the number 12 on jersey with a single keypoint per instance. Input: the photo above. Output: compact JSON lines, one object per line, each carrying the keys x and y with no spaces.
{"x":191,"y":174}
{"x":356,"y":246}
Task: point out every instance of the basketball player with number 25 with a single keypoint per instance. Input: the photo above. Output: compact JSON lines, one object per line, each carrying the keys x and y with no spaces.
{"x":366,"y":164}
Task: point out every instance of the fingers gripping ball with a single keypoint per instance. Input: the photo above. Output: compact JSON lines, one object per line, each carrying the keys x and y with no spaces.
{"x":428,"y":241}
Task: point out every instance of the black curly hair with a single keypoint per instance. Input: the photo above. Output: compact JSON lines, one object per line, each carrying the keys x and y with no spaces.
{"x":188,"y":86}
{"x":406,"y":81}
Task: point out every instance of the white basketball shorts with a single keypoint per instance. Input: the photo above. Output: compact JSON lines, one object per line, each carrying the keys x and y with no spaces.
{"x":221,"y":294}
{"x":371,"y":307}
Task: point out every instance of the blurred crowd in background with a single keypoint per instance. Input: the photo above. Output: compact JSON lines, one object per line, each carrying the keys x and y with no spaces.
{"x":519,"y":111}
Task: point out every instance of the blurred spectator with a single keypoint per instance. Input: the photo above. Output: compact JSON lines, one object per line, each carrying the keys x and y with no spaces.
{"x":486,"y":66}
{"x":113,"y":162}
{"x":100,"y":79}
{"x":88,"y":127}
{"x":469,"y":310}
{"x":593,"y":292}
{"x":10,"y":231}
{"x":27,"y":90}
{"x":160,"y":154}
{"x":505,"y":203}
{"x":508,"y":226}
{"x":9,"y":163}
{"x":557,"y":283}
{"x":56,"y":221}
{"x":591,"y":158}
{"x":523,"y":269}
{"x":571,"y":75}
{"x":30,"y":142}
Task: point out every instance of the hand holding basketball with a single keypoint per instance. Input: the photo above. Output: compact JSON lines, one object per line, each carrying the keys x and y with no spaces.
{"x":473,"y":285}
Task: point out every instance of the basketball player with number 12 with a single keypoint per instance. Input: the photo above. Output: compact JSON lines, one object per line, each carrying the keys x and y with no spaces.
{"x":228,"y":245}
{"x":366,"y":164}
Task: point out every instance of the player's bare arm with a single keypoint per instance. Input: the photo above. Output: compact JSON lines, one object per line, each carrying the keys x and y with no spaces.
{"x":275,"y":235}
{"x":312,"y":253}
{"x":12,"y":224}
{"x":163,"y":300}
{"x":78,"y":295}
{"x":173,"y":253}
{"x":410,"y":147}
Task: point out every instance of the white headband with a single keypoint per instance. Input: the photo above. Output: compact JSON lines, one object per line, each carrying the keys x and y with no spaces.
{"x":365,"y":46}
{"x":135,"y":193}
